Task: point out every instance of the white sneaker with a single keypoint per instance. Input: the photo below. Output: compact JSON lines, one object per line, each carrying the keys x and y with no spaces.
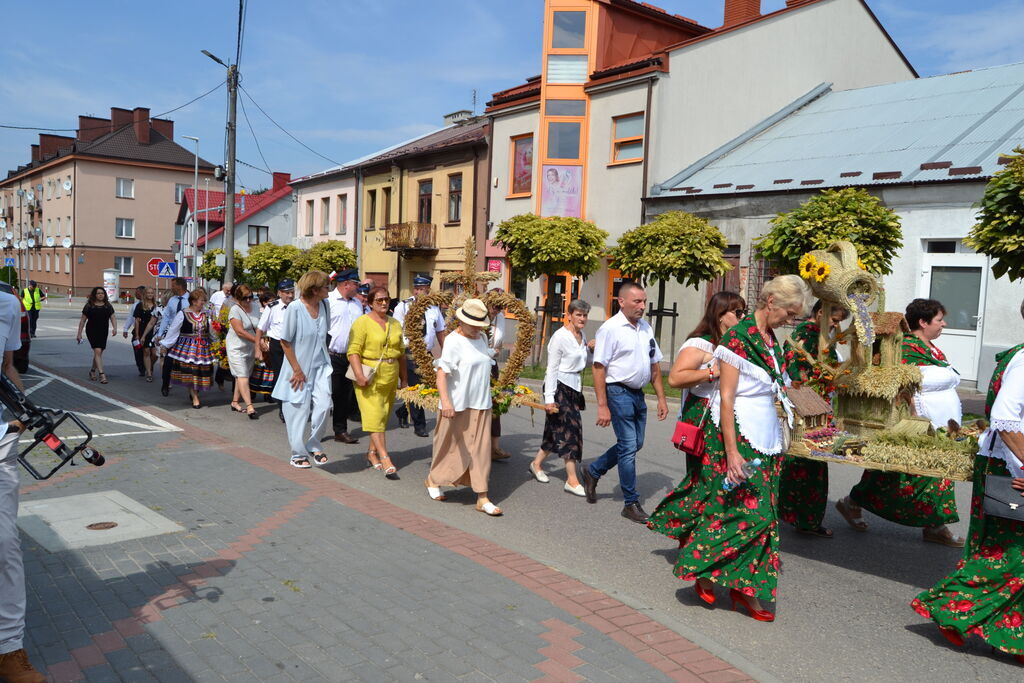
{"x":539,"y":475}
{"x":575,"y":490}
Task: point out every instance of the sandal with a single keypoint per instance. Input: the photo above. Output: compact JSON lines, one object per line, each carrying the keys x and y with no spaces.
{"x":92,"y":374}
{"x":149,"y":378}
{"x":942,"y":536}
{"x":846,"y":508}
{"x":103,"y":378}
{"x":434,"y":492}
{"x":251,"y":412}
{"x":235,"y":408}
{"x":370,"y":463}
{"x":821,"y":531}
{"x":319,"y":458}
{"x":390,"y":471}
{"x":301,"y":463}
{"x":489,"y":509}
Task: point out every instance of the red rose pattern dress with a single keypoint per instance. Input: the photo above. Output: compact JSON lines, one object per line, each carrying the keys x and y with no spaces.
{"x":985,"y":595}
{"x":731,"y":537}
{"x":909,"y":499}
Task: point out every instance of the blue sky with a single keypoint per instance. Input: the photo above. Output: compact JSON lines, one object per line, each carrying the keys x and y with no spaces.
{"x":348,"y":77}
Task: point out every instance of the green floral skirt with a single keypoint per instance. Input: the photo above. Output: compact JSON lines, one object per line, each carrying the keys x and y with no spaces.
{"x":906,"y":499}
{"x":985,"y":595}
{"x":730,"y":538}
{"x":803,"y":492}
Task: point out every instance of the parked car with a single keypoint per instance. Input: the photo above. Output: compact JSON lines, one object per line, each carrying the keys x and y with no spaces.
{"x":21,"y":355}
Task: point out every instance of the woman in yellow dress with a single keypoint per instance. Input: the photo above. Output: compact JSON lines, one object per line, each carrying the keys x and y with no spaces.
{"x":376,"y":342}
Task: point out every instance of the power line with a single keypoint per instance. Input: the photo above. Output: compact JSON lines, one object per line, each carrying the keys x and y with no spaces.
{"x":107,"y":127}
{"x":245,"y":115}
{"x":239,"y":161}
{"x":336,"y":163}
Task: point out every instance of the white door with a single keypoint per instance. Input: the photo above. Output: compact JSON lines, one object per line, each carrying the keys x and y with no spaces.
{"x":958,"y":281}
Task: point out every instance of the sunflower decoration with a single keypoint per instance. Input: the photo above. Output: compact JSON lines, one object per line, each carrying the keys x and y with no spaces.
{"x":821,"y":271}
{"x":808,"y":264}
{"x":860,"y":264}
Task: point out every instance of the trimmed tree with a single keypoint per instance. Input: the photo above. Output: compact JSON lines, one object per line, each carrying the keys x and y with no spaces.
{"x":538,"y":246}
{"x":850,"y":214}
{"x":674,"y":246}
{"x":209,"y":270}
{"x":999,"y":232}
{"x":269,"y":263}
{"x":326,"y":256}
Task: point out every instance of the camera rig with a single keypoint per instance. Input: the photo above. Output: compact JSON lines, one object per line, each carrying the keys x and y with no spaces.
{"x":42,"y":423}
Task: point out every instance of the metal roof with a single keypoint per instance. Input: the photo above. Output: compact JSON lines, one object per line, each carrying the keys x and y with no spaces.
{"x":956,"y":125}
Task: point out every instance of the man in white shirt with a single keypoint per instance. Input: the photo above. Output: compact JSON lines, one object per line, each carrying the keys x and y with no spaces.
{"x":175,"y":305}
{"x":433,"y":333}
{"x":129,"y":326}
{"x":270,"y":326}
{"x":217,"y":298}
{"x":14,"y":662}
{"x":345,"y":309}
{"x":626,"y":358}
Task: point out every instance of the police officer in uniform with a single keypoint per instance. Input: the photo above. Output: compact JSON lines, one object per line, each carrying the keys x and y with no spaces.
{"x":270,"y":326}
{"x":345,"y":308}
{"x":433,"y":330}
{"x":362,"y":292}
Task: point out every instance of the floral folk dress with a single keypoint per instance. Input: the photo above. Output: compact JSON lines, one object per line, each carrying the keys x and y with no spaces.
{"x":731,"y":537}
{"x":985,"y":595}
{"x":803,"y":490}
{"x":909,"y":499}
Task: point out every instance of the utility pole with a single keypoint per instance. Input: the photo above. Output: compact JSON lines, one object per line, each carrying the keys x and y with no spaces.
{"x":229,"y":180}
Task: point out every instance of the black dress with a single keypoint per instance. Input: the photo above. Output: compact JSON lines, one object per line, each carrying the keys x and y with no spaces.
{"x":144,"y":317}
{"x":97,"y":324}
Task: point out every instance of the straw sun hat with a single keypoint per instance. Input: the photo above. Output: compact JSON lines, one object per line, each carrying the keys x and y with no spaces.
{"x":473,"y":312}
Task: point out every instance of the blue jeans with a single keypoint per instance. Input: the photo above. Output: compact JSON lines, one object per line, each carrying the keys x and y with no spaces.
{"x":629,"y":420}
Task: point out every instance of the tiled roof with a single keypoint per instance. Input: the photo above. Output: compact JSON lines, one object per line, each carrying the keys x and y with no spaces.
{"x":450,"y":136}
{"x":254,"y":203}
{"x":952,"y":127}
{"x":529,"y":89}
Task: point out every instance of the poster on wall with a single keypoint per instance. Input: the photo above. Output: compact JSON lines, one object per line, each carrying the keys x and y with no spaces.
{"x":561,"y":189}
{"x":522,"y":166}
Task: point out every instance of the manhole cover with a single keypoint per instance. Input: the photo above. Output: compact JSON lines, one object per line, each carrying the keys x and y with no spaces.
{"x":101,"y":526}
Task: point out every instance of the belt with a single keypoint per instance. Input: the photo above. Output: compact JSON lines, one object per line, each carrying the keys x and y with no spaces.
{"x":383,"y":360}
{"x":624,"y":386}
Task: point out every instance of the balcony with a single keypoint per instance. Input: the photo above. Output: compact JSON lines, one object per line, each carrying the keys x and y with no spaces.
{"x":411,"y":238}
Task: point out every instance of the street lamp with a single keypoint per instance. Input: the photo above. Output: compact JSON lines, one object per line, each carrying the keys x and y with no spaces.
{"x":195,"y":199}
{"x":229,"y":168}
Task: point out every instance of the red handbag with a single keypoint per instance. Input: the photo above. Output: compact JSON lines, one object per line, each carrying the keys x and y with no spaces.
{"x":689,"y":438}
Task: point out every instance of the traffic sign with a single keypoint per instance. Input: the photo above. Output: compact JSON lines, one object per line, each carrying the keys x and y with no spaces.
{"x":9,"y":262}
{"x":153,"y":266}
{"x":168,"y":269}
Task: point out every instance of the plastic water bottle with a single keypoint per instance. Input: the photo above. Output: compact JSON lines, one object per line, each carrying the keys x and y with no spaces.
{"x":748,"y":469}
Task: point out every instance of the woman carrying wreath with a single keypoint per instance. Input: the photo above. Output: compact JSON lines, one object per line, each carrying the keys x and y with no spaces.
{"x":731,"y":537}
{"x":803,"y":490}
{"x":909,"y":499}
{"x":695,"y":371}
{"x":985,"y":595}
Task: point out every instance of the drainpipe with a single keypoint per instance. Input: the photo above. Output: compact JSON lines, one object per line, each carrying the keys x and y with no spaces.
{"x":74,"y":224}
{"x":356,"y":242}
{"x":647,"y":146}
{"x":398,"y":258}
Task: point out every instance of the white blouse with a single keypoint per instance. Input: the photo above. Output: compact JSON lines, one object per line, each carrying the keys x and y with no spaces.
{"x":1007,"y":416}
{"x":566,"y":360}
{"x":467,"y":364}
{"x":754,"y":406}
{"x":703,"y":389}
{"x":938,"y":400}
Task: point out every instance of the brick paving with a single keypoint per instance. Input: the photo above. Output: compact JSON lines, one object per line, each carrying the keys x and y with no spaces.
{"x":286,"y":575}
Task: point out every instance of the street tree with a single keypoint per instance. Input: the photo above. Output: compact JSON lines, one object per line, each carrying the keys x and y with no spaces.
{"x":326,"y":256}
{"x":999,"y":232}
{"x":209,"y":270}
{"x":269,"y":263}
{"x":674,"y":246}
{"x":850,"y":214}
{"x":538,"y":246}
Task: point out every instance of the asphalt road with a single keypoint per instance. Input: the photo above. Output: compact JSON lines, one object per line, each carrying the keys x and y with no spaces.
{"x":843,"y":609}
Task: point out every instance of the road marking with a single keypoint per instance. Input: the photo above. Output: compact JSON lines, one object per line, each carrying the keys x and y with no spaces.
{"x":38,"y":386}
{"x":70,"y":437}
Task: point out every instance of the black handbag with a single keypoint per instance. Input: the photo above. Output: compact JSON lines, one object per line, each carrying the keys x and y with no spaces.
{"x":1001,"y":499}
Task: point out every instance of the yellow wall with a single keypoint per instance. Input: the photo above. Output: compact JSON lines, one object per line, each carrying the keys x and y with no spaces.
{"x":373,"y":257}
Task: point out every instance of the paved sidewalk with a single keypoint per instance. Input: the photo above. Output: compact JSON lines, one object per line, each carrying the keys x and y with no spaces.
{"x":285,"y":574}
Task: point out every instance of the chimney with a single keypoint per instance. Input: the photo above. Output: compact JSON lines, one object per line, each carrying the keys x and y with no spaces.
{"x":457,"y":117}
{"x":50,"y":145}
{"x":140,"y":117}
{"x":35,"y":152}
{"x":739,"y":11}
{"x":281,"y":179}
{"x":119,"y":118}
{"x":163,"y":126}
{"x":92,"y":127}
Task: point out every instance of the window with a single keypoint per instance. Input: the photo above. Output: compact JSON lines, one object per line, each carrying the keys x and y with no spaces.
{"x":385,"y":199}
{"x":56,"y":188}
{"x":426,"y":196}
{"x":258,"y":234}
{"x":517,"y":283}
{"x":564,"y":140}
{"x":342,"y":214}
{"x":522,"y":165}
{"x":124,"y":228}
{"x":47,"y":263}
{"x":567,"y":69}
{"x":125,"y":188}
{"x":309,"y":218}
{"x":67,"y":223}
{"x":565,"y":107}
{"x":123,"y":264}
{"x":58,"y":226}
{"x":569,"y":30}
{"x":325,"y":216}
{"x":178,"y":229}
{"x":69,"y":185}
{"x":371,"y":210}
{"x":49,"y":227}
{"x":179,"y":192}
{"x":455,"y":198}
{"x":628,"y":138}
{"x":49,"y":190}
{"x":67,"y":263}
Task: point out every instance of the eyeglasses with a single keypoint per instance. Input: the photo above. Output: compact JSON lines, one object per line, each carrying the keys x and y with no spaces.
{"x":382,"y":300}
{"x":740,"y":312}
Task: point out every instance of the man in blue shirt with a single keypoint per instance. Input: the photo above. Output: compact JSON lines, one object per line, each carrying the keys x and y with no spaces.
{"x":175,"y":305}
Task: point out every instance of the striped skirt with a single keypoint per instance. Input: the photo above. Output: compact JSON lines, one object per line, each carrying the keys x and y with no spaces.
{"x":192,"y":362}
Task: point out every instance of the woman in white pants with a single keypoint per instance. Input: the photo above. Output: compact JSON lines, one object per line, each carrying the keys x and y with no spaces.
{"x":304,"y":387}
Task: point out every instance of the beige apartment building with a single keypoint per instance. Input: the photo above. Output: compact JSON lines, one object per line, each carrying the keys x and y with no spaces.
{"x":106,"y":198}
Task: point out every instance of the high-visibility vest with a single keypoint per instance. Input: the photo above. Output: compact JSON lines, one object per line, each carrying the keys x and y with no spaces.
{"x":27,"y":299}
